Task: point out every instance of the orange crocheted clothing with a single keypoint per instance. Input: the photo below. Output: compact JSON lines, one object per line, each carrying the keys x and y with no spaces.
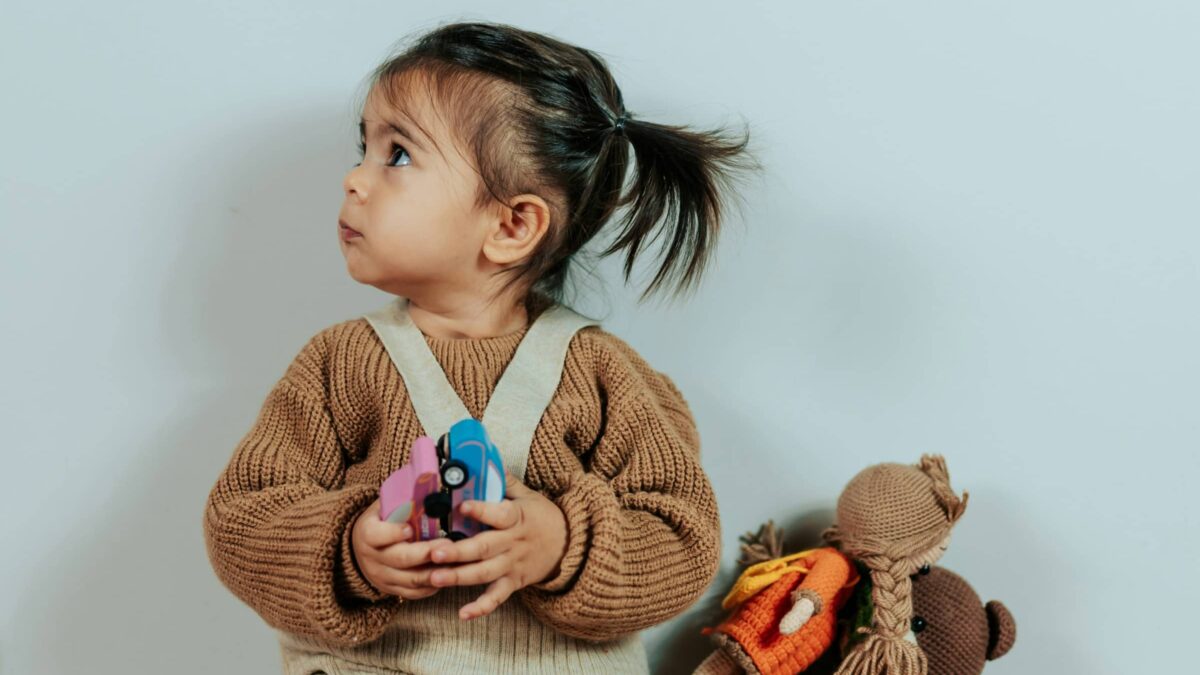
{"x":754,"y":625}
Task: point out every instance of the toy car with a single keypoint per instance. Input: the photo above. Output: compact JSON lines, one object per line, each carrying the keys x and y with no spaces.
{"x":471,"y":469}
{"x":402,"y":497}
{"x":425,"y":493}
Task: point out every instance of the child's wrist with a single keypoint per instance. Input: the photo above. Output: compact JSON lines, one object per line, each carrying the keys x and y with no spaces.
{"x":557,"y":543}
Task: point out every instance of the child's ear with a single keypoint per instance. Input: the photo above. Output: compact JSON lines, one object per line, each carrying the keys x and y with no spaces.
{"x":517,"y":229}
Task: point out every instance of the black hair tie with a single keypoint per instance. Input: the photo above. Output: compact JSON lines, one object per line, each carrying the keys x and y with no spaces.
{"x":619,"y":124}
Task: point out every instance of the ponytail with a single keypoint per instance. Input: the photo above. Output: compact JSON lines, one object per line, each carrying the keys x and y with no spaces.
{"x":681,"y":181}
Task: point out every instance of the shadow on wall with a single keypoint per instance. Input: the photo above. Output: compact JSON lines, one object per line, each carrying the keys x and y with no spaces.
{"x":130,"y":588}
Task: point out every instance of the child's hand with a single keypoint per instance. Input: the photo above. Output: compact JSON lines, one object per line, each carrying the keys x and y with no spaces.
{"x":525,"y":547}
{"x":389,"y":559}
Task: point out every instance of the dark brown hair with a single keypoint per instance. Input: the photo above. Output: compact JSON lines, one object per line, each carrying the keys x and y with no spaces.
{"x":541,"y":116}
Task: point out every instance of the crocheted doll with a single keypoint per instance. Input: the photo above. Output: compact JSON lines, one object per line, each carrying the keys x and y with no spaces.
{"x":784,"y":608}
{"x":894,"y":520}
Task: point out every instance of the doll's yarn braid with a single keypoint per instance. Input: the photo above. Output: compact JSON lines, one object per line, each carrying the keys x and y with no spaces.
{"x":885,"y":650}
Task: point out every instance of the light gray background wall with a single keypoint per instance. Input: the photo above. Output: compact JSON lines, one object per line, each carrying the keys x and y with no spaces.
{"x":977,"y":235}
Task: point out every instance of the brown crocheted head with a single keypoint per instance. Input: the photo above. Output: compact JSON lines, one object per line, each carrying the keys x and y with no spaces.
{"x":897,"y":510}
{"x":957,"y":632}
{"x":895,"y":519}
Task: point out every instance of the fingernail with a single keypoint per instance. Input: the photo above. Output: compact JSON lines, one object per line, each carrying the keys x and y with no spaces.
{"x":405,"y":531}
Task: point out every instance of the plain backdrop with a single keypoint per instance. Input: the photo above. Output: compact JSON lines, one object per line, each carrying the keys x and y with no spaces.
{"x":976,"y":235}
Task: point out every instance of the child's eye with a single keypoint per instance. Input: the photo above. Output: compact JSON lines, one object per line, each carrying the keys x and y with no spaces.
{"x":396,"y":150}
{"x":399,"y":150}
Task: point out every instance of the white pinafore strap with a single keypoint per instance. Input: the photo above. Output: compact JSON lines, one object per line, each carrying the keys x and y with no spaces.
{"x":521,"y":396}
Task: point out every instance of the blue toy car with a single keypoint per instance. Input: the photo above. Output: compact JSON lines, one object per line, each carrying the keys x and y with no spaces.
{"x":471,"y":469}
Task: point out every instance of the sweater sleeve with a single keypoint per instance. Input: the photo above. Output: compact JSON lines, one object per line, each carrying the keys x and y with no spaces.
{"x":277,"y":522}
{"x":643,"y":538}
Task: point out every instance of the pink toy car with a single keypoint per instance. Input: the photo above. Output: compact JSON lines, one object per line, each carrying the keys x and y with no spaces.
{"x":402,"y":495}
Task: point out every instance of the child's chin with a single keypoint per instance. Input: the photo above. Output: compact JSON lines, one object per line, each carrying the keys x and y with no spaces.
{"x":360,"y":275}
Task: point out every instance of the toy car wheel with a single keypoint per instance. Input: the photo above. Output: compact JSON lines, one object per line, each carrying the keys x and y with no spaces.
{"x":454,"y":474}
{"x":441,"y":446}
{"x":437,"y":504}
{"x":455,"y":535}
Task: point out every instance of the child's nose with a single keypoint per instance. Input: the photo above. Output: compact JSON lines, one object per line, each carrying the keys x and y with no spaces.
{"x":354,"y":184}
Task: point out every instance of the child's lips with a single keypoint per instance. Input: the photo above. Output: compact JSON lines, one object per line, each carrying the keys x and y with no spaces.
{"x":346,"y":231}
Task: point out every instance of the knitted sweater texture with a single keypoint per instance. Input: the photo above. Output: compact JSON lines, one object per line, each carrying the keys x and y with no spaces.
{"x":617,"y":450}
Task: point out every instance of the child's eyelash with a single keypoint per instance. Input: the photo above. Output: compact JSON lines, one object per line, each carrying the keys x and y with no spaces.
{"x":362,"y":149}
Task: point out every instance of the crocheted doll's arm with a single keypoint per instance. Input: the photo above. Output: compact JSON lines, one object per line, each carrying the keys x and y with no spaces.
{"x":828,"y":573}
{"x":643,"y":530}
{"x":277,"y":520}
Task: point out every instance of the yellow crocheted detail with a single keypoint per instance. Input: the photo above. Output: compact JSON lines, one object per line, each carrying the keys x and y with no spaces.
{"x":763,"y":574}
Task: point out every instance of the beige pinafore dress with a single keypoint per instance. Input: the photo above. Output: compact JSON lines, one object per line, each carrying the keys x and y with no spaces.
{"x":427,"y":636}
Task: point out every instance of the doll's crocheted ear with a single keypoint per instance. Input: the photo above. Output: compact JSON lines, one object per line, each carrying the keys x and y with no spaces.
{"x":1002,"y":630}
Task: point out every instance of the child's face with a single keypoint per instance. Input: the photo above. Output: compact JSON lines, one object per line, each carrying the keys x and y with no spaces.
{"x":414,"y":205}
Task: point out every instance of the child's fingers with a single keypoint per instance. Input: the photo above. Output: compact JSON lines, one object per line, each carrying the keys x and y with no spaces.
{"x":380,"y":534}
{"x":408,"y":592}
{"x":413,"y":578}
{"x":500,"y":515}
{"x":497,"y":592}
{"x":415,"y":593}
{"x":482,"y":546}
{"x":404,"y":555}
{"x":514,"y":488}
{"x":471,"y":574}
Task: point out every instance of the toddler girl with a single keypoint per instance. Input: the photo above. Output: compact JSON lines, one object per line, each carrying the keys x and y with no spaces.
{"x":491,"y":156}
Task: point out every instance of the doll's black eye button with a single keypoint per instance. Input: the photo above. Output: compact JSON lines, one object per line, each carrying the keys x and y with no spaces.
{"x":924,"y":570}
{"x":918,"y":624}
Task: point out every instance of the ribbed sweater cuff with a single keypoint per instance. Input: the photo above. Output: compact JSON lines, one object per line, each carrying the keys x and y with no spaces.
{"x":626,"y":568}
{"x":286,"y":566}
{"x":348,"y":622}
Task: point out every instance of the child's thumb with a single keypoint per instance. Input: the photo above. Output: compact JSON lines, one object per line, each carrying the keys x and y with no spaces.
{"x":514,"y":488}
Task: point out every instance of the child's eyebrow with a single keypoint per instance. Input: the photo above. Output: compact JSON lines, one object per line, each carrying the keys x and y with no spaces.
{"x":362,"y":132}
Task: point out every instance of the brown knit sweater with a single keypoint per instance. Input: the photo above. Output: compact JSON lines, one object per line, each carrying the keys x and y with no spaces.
{"x":617,"y":450}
